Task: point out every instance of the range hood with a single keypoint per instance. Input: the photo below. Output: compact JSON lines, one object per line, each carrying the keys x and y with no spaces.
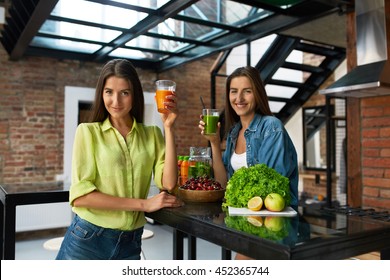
{"x":372,"y":75}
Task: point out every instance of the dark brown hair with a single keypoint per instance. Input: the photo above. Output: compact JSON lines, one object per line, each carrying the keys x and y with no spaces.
{"x":261,"y":99}
{"x":121,"y":68}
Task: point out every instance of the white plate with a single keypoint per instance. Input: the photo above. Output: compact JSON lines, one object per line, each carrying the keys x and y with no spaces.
{"x":287,"y":212}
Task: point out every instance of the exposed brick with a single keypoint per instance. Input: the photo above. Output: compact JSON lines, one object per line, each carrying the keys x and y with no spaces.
{"x":372,"y":112}
{"x":376,"y":122}
{"x":376,"y":162}
{"x":384,"y":193}
{"x":312,"y":189}
{"x":374,"y":192}
{"x":384,"y":132}
{"x":371,"y":152}
{"x":386,"y":111}
{"x":384,"y":153}
{"x":376,"y":203}
{"x":372,"y":102}
{"x":376,"y":182}
{"x":376,"y":142}
{"x":371,"y":132}
{"x":374,"y":172}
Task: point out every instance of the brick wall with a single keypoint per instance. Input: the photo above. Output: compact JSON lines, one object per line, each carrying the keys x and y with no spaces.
{"x":370,"y":167}
{"x":32,"y":116}
{"x":375,"y":138}
{"x":314,"y":185}
{"x":32,"y":113}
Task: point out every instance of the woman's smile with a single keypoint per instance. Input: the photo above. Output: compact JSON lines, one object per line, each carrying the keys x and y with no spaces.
{"x":241,"y":104}
{"x":117,"y":108}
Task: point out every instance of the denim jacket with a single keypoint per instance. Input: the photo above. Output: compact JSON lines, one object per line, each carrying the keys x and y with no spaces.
{"x":267,"y":141}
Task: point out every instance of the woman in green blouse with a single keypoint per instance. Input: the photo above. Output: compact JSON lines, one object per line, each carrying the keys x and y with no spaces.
{"x":114,"y":158}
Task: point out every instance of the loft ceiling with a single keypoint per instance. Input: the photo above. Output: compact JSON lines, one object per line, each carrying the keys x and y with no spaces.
{"x":153,"y":34}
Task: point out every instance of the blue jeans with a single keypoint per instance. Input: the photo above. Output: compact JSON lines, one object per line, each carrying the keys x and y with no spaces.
{"x":86,"y":241}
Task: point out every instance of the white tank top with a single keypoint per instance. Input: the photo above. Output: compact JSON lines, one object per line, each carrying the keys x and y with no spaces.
{"x":238,"y":161}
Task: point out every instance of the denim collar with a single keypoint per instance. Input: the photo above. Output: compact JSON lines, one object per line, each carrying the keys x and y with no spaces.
{"x":252,"y":126}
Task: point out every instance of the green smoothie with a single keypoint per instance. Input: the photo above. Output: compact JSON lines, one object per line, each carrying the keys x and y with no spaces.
{"x":203,"y":169}
{"x":211,"y":124}
{"x":192,"y":171}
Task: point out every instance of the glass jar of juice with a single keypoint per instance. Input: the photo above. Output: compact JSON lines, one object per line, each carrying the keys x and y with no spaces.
{"x":200,"y":162}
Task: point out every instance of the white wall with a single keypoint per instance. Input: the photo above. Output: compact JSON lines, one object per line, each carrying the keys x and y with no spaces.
{"x":294,"y":128}
{"x":73,"y":96}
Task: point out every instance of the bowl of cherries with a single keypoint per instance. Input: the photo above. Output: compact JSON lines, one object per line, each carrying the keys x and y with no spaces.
{"x":201,"y":189}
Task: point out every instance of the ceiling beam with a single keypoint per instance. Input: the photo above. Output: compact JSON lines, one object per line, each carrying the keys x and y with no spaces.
{"x":168,"y":10}
{"x":41,"y":11}
{"x":261,"y":28}
{"x":257,"y":30}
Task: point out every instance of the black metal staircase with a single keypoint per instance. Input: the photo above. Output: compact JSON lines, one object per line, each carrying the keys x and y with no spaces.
{"x":275,"y":58}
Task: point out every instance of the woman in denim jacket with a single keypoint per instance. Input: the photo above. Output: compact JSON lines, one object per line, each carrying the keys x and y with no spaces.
{"x":254,"y":135}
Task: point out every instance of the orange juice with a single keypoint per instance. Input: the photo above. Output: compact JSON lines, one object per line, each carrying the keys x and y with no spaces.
{"x":160,"y":99}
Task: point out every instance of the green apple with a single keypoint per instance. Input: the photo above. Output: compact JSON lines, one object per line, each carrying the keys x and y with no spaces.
{"x":274,"y":202}
{"x":274,"y":223}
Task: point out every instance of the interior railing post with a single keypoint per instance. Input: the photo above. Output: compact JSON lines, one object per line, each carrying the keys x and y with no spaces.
{"x":329,"y":144}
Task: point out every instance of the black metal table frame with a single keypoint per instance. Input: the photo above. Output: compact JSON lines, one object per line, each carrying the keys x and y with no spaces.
{"x":178,"y":247}
{"x":9,"y":202}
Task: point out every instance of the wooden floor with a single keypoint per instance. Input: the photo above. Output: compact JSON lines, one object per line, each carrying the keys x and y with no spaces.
{"x":369,"y":256}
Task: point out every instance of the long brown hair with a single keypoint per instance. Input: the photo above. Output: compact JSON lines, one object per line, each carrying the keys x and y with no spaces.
{"x":261,"y":99}
{"x":121,"y":68}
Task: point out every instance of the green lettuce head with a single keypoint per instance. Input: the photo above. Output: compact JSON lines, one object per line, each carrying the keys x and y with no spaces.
{"x":257,"y":180}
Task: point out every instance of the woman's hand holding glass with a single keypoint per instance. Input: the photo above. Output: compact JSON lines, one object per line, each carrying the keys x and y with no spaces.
{"x":171,"y":112}
{"x":213,"y":138}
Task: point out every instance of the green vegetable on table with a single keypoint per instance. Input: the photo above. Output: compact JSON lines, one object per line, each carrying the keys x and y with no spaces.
{"x":241,"y":223}
{"x":257,"y":180}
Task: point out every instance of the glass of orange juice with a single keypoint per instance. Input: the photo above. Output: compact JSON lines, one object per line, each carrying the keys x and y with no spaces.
{"x":163,"y":88}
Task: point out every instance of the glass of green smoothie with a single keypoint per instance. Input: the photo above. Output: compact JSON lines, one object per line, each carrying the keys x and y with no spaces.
{"x":210,"y":118}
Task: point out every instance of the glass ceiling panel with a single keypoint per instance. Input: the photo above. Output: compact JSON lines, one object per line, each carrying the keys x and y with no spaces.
{"x":156,"y":43}
{"x":97,"y":13}
{"x":284,"y":4}
{"x":72,"y":30}
{"x":136,"y":54}
{"x":65,"y":45}
{"x":182,"y":29}
{"x":152,"y":4}
{"x":224,"y":11}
